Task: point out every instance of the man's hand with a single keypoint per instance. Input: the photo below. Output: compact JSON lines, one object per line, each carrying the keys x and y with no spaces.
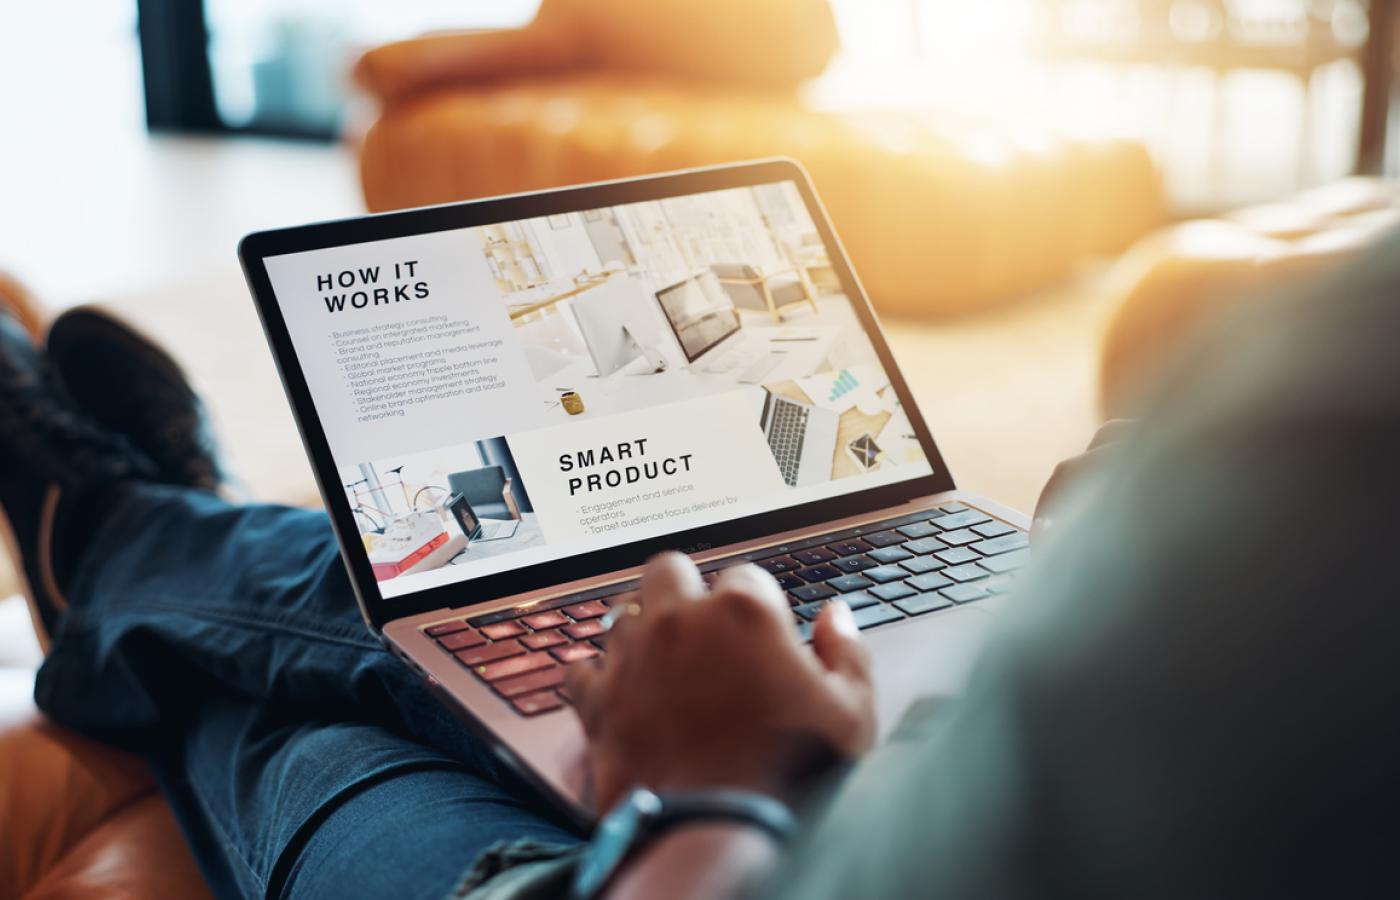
{"x":714,"y":689}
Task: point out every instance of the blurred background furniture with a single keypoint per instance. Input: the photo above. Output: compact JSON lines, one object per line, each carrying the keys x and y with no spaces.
{"x":768,"y":292}
{"x":935,"y":221}
{"x":1180,"y":280}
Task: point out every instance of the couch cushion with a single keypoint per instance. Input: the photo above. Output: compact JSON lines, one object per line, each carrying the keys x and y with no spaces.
{"x":79,"y":818}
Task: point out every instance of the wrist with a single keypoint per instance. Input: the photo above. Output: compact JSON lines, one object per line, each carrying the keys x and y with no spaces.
{"x":699,"y":859}
{"x":643,"y":817}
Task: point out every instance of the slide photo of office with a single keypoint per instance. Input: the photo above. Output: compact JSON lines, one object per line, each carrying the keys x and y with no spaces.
{"x":658,"y":302}
{"x":445,"y":507}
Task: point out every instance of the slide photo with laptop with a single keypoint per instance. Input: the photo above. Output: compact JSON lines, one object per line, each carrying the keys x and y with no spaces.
{"x":446,"y":507}
{"x":507,"y":394}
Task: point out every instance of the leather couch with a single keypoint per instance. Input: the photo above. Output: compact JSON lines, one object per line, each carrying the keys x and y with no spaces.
{"x":1177,"y":280}
{"x":942,"y":214}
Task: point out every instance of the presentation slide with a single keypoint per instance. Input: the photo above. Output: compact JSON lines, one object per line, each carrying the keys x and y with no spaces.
{"x":510,"y":394}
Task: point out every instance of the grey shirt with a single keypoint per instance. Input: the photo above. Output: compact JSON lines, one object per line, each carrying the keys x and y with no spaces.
{"x":1201,"y":697}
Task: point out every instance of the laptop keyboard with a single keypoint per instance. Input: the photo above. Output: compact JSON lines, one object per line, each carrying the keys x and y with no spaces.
{"x":904,"y":567}
{"x":786,"y":429}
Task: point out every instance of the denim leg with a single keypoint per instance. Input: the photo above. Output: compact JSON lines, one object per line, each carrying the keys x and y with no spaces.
{"x":276,"y":803}
{"x":181,"y":594}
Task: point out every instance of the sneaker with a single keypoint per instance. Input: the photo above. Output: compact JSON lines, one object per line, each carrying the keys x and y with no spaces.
{"x":129,"y":385}
{"x":52,"y":458}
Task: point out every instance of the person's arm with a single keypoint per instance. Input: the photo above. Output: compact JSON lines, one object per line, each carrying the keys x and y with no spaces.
{"x":732,"y":700}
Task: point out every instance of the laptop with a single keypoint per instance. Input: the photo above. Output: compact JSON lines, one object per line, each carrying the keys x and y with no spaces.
{"x":801,"y":436}
{"x":401,"y":342}
{"x":703,"y":319}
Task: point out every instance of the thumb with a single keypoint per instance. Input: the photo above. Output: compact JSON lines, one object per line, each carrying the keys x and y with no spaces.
{"x":837,"y":643}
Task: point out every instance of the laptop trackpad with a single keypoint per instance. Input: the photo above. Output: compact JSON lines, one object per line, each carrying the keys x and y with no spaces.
{"x":925,"y":658}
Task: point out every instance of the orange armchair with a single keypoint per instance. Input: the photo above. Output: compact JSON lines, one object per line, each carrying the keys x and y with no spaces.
{"x":939,"y":216}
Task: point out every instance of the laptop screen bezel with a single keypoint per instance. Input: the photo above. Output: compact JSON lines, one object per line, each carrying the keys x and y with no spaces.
{"x":378,"y":610}
{"x":680,"y":341}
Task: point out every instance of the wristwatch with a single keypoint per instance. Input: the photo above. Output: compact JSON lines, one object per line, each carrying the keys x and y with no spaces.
{"x":643,"y":815}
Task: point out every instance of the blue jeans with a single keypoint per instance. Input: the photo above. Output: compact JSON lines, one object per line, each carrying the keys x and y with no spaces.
{"x":223,"y":644}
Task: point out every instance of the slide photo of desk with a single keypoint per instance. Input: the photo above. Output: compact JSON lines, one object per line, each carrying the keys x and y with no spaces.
{"x":450,"y":506}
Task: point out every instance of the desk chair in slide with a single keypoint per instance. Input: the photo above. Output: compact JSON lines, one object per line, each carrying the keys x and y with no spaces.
{"x":771,"y":292}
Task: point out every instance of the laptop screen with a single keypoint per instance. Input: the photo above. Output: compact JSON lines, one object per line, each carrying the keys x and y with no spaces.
{"x":523,"y":392}
{"x":699,"y":313}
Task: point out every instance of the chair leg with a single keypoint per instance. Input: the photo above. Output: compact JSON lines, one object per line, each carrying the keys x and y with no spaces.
{"x":772,"y":307}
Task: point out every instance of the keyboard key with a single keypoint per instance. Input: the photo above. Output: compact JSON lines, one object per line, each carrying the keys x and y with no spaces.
{"x":590,"y":609}
{"x":893,"y":591}
{"x":930,"y":581}
{"x":601,"y":642}
{"x":855,"y":600}
{"x":1006,"y":562}
{"x":584,"y":630}
{"x":993,"y":529}
{"x":851,"y":564}
{"x":538,"y":702}
{"x":915,"y":530}
{"x":969,"y":572}
{"x":541,"y":621}
{"x":949,"y":509}
{"x":775,"y":565}
{"x":882,"y":574}
{"x":963,"y":519}
{"x":956,"y":556}
{"x":446,"y":628}
{"x":884,"y":538}
{"x":925,"y":546}
{"x":516,"y":665}
{"x":959,"y":537}
{"x":876,"y":615}
{"x":810,"y":592}
{"x":461,"y":640}
{"x":486,"y":653}
{"x":963,"y":593}
{"x":542,"y":640}
{"x":574,"y":652}
{"x":889,"y":554}
{"x":921,"y":564}
{"x":848,"y":547}
{"x":818,"y":573}
{"x":502,"y":630}
{"x":1004,"y":544}
{"x":787,"y":581}
{"x":859,"y":599}
{"x":849,"y":583}
{"x":923,"y":603}
{"x":535,"y":681}
{"x":813,"y":556}
{"x":804,"y":631}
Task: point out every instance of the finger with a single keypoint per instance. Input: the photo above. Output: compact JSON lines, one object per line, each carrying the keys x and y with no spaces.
{"x":750,"y":580}
{"x":837,"y":644}
{"x":669,"y":578}
{"x":584,"y":682}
